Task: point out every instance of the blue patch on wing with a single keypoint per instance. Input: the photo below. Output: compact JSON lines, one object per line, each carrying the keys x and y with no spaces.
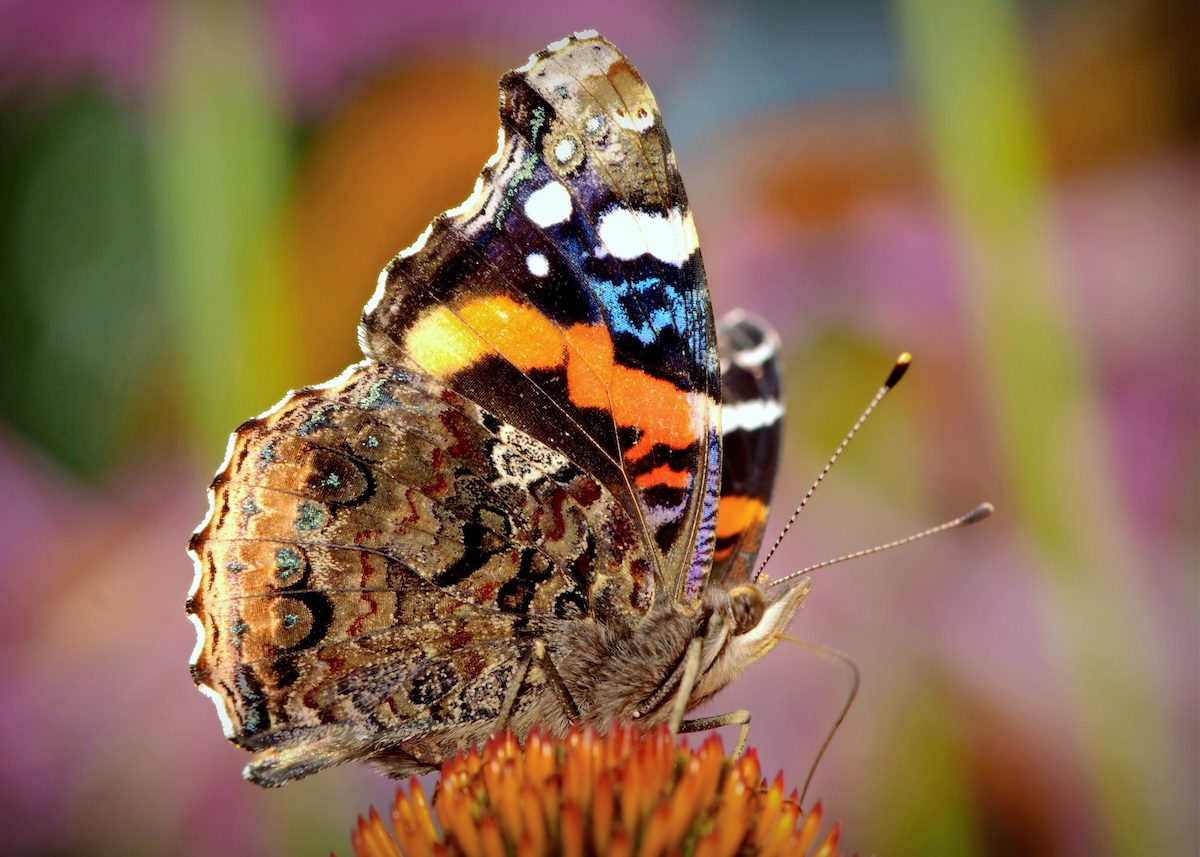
{"x":619,"y":298}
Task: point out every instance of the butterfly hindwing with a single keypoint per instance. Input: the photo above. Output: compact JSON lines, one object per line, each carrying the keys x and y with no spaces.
{"x":377,"y":545}
{"x":752,"y":427}
{"x":567,"y":297}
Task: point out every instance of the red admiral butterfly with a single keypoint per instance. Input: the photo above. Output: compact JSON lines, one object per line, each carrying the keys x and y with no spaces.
{"x":538,"y":499}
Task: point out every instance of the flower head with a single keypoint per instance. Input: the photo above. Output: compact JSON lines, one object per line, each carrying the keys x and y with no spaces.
{"x":624,"y":793}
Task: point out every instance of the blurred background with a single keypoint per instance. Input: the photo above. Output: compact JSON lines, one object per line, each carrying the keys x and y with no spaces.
{"x":195,"y":199}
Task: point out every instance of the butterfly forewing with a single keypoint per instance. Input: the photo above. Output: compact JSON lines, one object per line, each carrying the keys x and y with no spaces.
{"x":567,"y":296}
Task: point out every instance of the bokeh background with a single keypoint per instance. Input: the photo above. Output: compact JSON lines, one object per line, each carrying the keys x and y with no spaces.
{"x":195,"y":199}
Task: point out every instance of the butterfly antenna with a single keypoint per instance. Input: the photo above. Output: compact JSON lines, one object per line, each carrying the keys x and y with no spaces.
{"x":893,"y":378}
{"x":843,"y":660}
{"x":980,"y":512}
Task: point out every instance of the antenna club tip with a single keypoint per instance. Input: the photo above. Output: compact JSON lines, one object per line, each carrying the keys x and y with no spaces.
{"x":983,"y":510}
{"x":902,"y":364}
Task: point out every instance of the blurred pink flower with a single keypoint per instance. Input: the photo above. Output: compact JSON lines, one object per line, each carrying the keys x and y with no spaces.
{"x":324,"y":45}
{"x":107,"y":746}
{"x":321,"y":47}
{"x":55,"y":44}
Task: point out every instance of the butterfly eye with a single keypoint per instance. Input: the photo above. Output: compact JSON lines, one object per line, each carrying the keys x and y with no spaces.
{"x":747,"y":606}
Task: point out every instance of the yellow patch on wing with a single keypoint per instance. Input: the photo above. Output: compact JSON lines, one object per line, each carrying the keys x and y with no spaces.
{"x":445,"y":341}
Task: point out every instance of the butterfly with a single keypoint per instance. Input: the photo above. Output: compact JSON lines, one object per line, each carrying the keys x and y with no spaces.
{"x":538,"y":499}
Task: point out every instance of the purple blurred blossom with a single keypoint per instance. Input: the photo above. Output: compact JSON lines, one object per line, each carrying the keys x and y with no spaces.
{"x":55,"y":44}
{"x":1130,"y":246}
{"x":95,"y":698}
{"x":323,"y":45}
{"x":36,"y":501}
{"x":107,"y":746}
{"x":903,"y":266}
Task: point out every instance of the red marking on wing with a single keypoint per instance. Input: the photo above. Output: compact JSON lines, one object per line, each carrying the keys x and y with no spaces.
{"x":657,"y":408}
{"x":663,"y":475}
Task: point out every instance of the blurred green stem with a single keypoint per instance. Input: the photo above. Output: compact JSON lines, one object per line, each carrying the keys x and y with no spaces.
{"x":220,"y":160}
{"x":967,"y":66}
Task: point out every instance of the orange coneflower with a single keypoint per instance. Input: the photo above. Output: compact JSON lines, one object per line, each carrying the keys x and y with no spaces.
{"x":624,"y":793}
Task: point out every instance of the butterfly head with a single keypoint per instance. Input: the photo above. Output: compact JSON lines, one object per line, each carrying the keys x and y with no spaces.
{"x":759,"y":615}
{"x":746,"y":608}
{"x":745,"y":623}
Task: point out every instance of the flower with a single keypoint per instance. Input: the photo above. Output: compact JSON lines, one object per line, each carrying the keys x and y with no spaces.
{"x":624,"y":793}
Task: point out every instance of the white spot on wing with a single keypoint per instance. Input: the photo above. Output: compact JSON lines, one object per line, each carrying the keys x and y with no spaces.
{"x":635,"y":123}
{"x":564,"y":149}
{"x":559,"y":45}
{"x":521,"y":460}
{"x":538,"y":264}
{"x":549,"y":204}
{"x":751,"y":415}
{"x":627,"y":233}
{"x":583,"y":35}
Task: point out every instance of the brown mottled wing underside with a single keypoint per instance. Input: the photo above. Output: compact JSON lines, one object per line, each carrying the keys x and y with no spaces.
{"x":378,"y":557}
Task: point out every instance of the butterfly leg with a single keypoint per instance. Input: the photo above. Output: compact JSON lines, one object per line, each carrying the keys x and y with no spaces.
{"x":681,"y":682}
{"x":537,"y":652}
{"x":560,"y":687}
{"x":514,"y":689}
{"x":310,"y":750}
{"x":740,"y":718}
{"x":687,"y":682}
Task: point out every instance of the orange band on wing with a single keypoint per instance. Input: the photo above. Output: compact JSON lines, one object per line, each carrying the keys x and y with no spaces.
{"x":663,"y":475}
{"x":445,"y":342}
{"x":659,"y":409}
{"x":736,"y":514}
